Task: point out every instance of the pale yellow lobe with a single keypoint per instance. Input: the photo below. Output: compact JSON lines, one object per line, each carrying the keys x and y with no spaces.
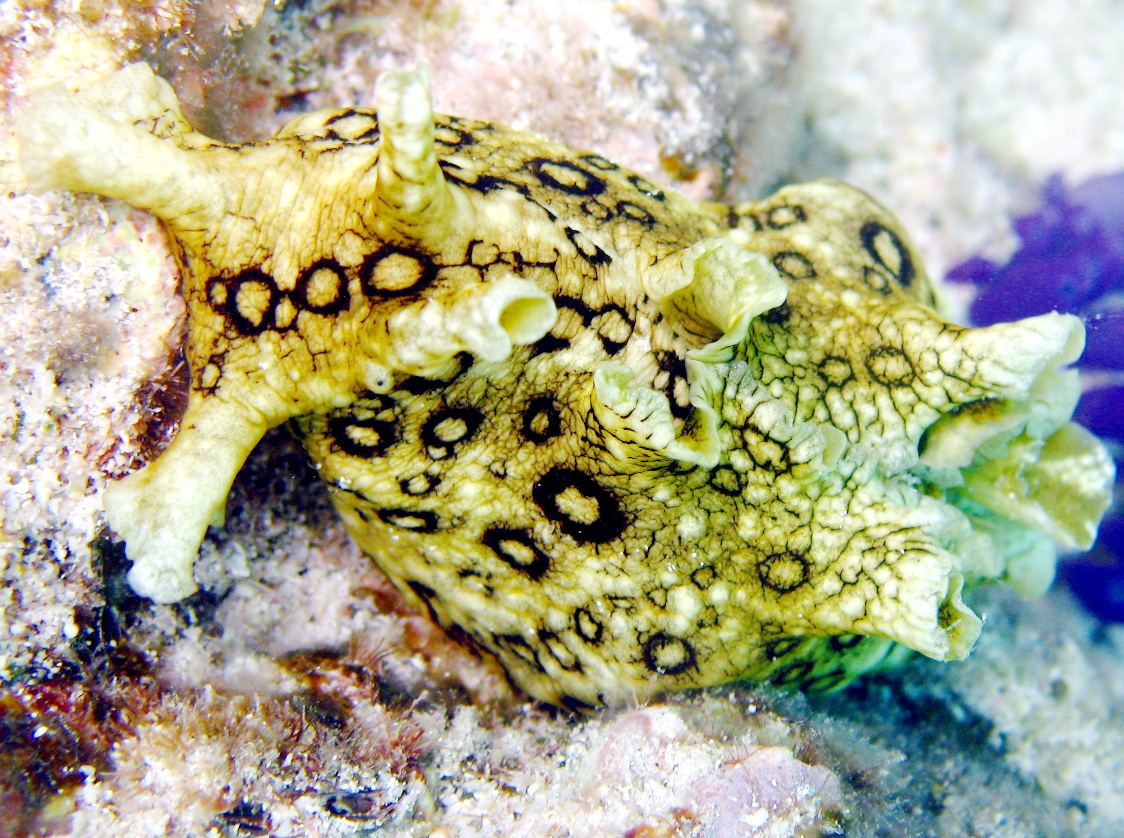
{"x":625,"y":442}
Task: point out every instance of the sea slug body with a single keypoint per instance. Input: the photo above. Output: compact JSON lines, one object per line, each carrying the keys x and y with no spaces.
{"x":623,"y":441}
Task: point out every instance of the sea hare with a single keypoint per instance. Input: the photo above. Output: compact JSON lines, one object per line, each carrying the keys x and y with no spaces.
{"x":623,"y":441}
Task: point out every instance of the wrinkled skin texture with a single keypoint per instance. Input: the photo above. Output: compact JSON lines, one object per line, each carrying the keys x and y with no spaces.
{"x":622,"y":441}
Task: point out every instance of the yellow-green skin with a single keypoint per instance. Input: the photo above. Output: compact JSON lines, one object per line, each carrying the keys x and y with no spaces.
{"x":624,"y":441}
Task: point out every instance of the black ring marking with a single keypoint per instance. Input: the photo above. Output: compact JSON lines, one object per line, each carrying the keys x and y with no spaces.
{"x":784,"y":572}
{"x":426,"y":594}
{"x":451,"y":135}
{"x":596,"y":210}
{"x":439,"y":446}
{"x":423,"y":268}
{"x":542,"y":420}
{"x":827,"y":682}
{"x":518,"y":549}
{"x":576,"y":705}
{"x":676,"y":369}
{"x":559,"y":651}
{"x":794,"y":674}
{"x":599,"y":162}
{"x":417,"y":385}
{"x":777,"y":316}
{"x":223,"y":294}
{"x":566,"y":176}
{"x":610,"y":521}
{"x":890,"y":367}
{"x":668,"y":655}
{"x":590,"y":252}
{"x":644,"y":185}
{"x":548,"y":343}
{"x":841,"y":642}
{"x":588,"y":627}
{"x":636,"y":213}
{"x":410,"y":519}
{"x":781,"y":647}
{"x":725,"y":480}
{"x":518,"y":646}
{"x":794,"y":265}
{"x":419,"y":484}
{"x":785,"y":215}
{"x":621,"y":322}
{"x":704,"y":577}
{"x":368,"y":437}
{"x":313,"y":296}
{"x":836,"y":370}
{"x":877,"y":238}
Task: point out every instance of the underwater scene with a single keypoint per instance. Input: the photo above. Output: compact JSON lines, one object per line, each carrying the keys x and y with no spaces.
{"x":674,"y":418}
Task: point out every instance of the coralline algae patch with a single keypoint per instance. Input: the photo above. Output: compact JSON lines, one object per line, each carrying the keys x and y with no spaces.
{"x":1071,"y":259}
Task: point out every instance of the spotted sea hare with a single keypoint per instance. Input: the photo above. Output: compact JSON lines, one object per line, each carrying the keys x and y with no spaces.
{"x":623,"y":441}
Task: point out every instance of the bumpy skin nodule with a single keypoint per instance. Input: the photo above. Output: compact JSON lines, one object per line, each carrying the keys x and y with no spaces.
{"x":625,"y":441}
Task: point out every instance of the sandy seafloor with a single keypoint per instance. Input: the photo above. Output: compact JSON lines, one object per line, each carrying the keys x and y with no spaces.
{"x":296,"y":695}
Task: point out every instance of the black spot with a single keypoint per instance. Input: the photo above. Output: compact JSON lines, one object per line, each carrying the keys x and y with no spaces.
{"x":518,"y":549}
{"x":668,"y":655}
{"x":561,"y":491}
{"x":366,"y":437}
{"x":322,"y":289}
{"x":890,"y":366}
{"x":784,"y":572}
{"x":588,"y":627}
{"x":566,"y":177}
{"x":410,"y":519}
{"x":794,"y":265}
{"x":448,"y":428}
{"x":785,"y":215}
{"x":393,"y":271}
{"x":542,"y":420}
{"x":647,"y":187}
{"x":887,"y":249}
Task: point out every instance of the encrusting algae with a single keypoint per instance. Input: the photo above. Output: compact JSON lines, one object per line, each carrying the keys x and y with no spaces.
{"x":625,"y":441}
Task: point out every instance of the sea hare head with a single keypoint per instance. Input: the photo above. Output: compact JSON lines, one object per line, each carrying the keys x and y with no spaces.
{"x":622,"y":441}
